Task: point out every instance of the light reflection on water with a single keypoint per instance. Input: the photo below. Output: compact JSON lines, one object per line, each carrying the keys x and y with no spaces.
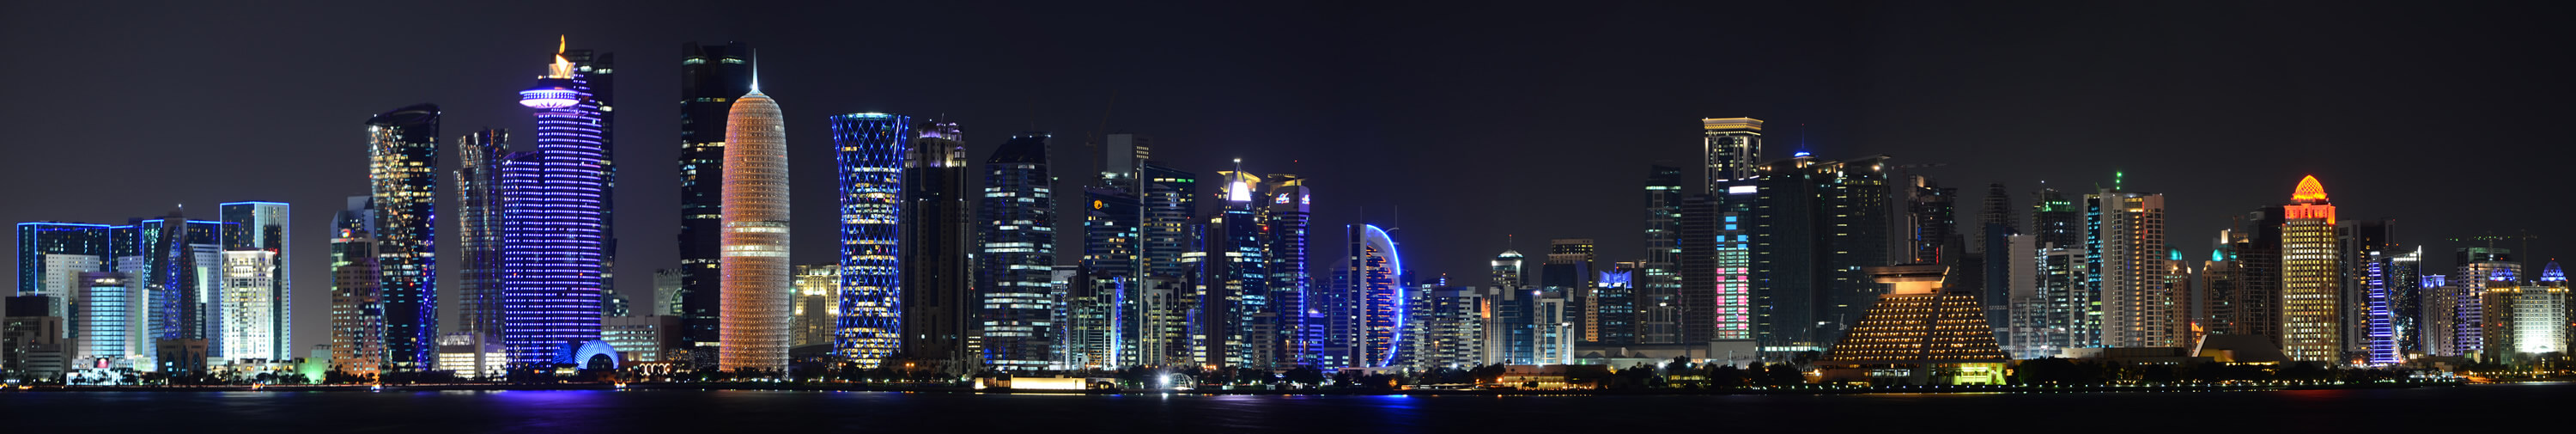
{"x":564,"y":411}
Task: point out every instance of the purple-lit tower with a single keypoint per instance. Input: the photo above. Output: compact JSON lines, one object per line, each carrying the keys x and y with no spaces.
{"x":555,"y":215}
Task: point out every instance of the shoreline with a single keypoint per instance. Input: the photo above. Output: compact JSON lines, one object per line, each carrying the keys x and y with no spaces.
{"x":843,"y":387}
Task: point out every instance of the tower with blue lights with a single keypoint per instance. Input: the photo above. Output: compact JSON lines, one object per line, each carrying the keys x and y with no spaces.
{"x":1376,"y":276}
{"x":869,"y":149}
{"x":554,"y":233}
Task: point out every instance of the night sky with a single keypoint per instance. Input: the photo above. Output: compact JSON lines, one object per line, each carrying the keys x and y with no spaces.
{"x":1475,"y":122}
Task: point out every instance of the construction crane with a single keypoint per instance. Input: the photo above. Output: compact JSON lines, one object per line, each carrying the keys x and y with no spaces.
{"x":2491,"y":238}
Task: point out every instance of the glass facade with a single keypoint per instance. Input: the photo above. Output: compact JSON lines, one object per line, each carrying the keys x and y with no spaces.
{"x":711,"y":77}
{"x":260,"y":227}
{"x":1017,"y":256}
{"x":754,"y":332}
{"x":403,"y":189}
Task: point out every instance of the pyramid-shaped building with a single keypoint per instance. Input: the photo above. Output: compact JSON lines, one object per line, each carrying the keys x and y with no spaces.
{"x":1919,"y":332}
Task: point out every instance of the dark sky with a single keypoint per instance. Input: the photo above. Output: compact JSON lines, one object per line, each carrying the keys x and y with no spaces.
{"x":1477,"y":120}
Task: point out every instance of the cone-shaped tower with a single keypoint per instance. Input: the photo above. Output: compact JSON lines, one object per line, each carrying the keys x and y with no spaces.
{"x":754,"y":329}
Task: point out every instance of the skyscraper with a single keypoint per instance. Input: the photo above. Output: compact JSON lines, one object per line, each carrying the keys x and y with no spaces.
{"x":754,"y":332}
{"x":2126,"y":256}
{"x":1815,"y":224}
{"x":478,"y":211}
{"x":1286,"y":217}
{"x":52,"y":256}
{"x":2363,"y":249}
{"x":555,"y":248}
{"x":1234,"y":284}
{"x":869,"y":150}
{"x":938,"y":236}
{"x":2311,"y":286}
{"x":1377,"y":272}
{"x":1017,"y":254}
{"x":2481,"y":269}
{"x":403,"y":181}
{"x":1510,"y":307}
{"x":1569,"y":271}
{"x":1931,"y":221}
{"x":711,"y":77}
{"x":357,"y":302}
{"x":1658,"y":289}
{"x":595,"y":74}
{"x":266,"y":306}
{"x":1731,"y":149}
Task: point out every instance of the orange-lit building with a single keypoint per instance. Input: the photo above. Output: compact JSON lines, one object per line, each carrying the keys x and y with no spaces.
{"x":754,"y":328}
{"x":2311,"y":280}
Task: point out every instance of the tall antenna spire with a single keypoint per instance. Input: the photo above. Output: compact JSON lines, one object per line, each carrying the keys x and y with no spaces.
{"x":755,"y":70}
{"x":1802,"y":142}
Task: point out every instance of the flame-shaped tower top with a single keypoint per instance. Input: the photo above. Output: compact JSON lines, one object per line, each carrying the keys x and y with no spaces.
{"x":562,"y":68}
{"x":555,"y":89}
{"x":2310,"y":191}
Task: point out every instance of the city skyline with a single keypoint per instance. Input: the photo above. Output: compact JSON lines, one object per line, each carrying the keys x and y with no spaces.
{"x":1444,"y":236}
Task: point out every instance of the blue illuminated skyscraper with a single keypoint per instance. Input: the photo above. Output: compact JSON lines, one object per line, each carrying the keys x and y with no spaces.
{"x":1235,"y":311}
{"x":870,"y":149}
{"x":553,"y":232}
{"x":1376,"y":274}
{"x":402,"y":171}
{"x":478,"y":211}
{"x":1301,"y":326}
{"x":52,"y":256}
{"x":1017,"y":256}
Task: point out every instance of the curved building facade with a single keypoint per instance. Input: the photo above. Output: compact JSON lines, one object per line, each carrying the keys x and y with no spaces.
{"x":402,"y":173}
{"x":1377,"y":273}
{"x":754,"y":331}
{"x":869,"y":150}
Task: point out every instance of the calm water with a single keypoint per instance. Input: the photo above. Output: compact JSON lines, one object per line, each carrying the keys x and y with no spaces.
{"x":2405,"y":410}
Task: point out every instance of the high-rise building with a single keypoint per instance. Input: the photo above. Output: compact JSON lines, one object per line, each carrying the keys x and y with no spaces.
{"x":109,"y":328}
{"x":249,"y":302}
{"x":1931,"y":220}
{"x":1731,"y":149}
{"x":403,"y":185}
{"x":52,"y":256}
{"x":595,"y":74}
{"x":1286,"y":216}
{"x":2311,"y":286}
{"x":2364,"y":248}
{"x":478,"y":211}
{"x":259,"y":227}
{"x":2404,"y":281}
{"x":2252,"y":248}
{"x":1235,"y":310}
{"x":555,"y":245}
{"x":1815,"y":224}
{"x":1569,"y":272}
{"x":2126,"y":257}
{"x":938,"y":236}
{"x":1508,"y":307}
{"x":810,"y":318}
{"x":1447,"y":328}
{"x":2439,"y":336}
{"x":1614,"y":306}
{"x":1377,"y":273}
{"x":1017,"y":254}
{"x":2064,"y":314}
{"x":754,"y":333}
{"x":2481,"y":269}
{"x":1111,"y":238}
{"x":711,"y":78}
{"x":2056,"y":220}
{"x":1658,"y":289}
{"x":357,"y":304}
{"x":869,"y":150}
{"x":1996,"y":228}
{"x":2524,"y":322}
